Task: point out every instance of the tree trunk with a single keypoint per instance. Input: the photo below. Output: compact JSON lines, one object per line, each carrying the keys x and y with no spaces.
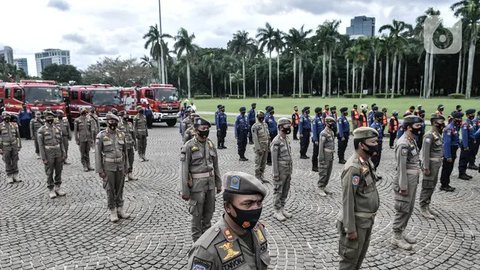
{"x":166,"y":72}
{"x":243,"y":76}
{"x":211,"y":80}
{"x":238,"y":90}
{"x":224,"y":85}
{"x":270,"y":75}
{"x":300,"y":77}
{"x":354,"y":66}
{"x":459,"y":72}
{"x":160,"y":76}
{"x":362,"y":80}
{"x":330,"y":73}
{"x":188,"y":80}
{"x":394,"y":73}
{"x":405,"y":79}
{"x":399,"y":76}
{"x":255,"y":81}
{"x":348,"y":73}
{"x":374,"y":72}
{"x":230,"y":78}
{"x":324,"y":72}
{"x":179,"y":82}
{"x":464,"y":67}
{"x":425,"y":74}
{"x":381,"y":73}
{"x":294,"y":73}
{"x":430,"y":76}
{"x":387,"y":63}
{"x":471,"y":57}
{"x":278,"y":73}
{"x":433,"y":83}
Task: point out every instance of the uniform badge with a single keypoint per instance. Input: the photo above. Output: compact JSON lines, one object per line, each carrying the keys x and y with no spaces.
{"x":228,"y":235}
{"x":194,"y":148}
{"x":428,"y":140}
{"x":404,"y":151}
{"x":228,"y":250}
{"x":199,"y":264}
{"x":355,"y":180}
{"x":260,"y":236}
{"x":235,"y":182}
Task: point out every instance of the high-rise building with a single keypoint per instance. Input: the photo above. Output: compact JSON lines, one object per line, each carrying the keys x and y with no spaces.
{"x":361,"y":26}
{"x":51,"y":56}
{"x":7,"y":54}
{"x":21,"y":63}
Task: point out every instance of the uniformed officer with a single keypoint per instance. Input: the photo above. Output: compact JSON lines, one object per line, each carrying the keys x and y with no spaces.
{"x":200,"y":177}
{"x":95,"y":121}
{"x":111,"y":164}
{"x":393,"y":125}
{"x":52,"y":151}
{"x":450,"y":147}
{"x":432,"y":154}
{"x":35,"y":124}
{"x":406,"y":180}
{"x":304,"y":128}
{"x":378,"y":126}
{"x":295,"y":122}
{"x":62,"y":123}
{"x":371,"y":114}
{"x":221,"y":124}
{"x":83,"y":130}
{"x":421,"y":114}
{"x":384,"y":119}
{"x":241,"y":133}
{"x":360,"y":200}
{"x":326,"y":112}
{"x":141,"y":132}
{"x":326,"y":148}
{"x":186,"y":121}
{"x":238,"y":240}
{"x":317,"y":128}
{"x":440,"y":109}
{"x":476,"y":124}
{"x":272,"y":128}
{"x":282,"y":168}
{"x":10,"y":145}
{"x":126,"y":126}
{"x":333,"y":114}
{"x":355,"y":117}
{"x":190,"y":132}
{"x":251,"y":121}
{"x":467,"y":145}
{"x":343,"y":135}
{"x":261,"y":139}
{"x":363,"y":120}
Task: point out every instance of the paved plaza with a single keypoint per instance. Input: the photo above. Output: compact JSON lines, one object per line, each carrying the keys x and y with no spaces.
{"x":74,"y":232}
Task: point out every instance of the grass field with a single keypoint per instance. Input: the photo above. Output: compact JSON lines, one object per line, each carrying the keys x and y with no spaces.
{"x":284,"y":106}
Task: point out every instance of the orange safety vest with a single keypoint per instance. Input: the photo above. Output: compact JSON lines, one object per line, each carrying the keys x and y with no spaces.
{"x":355,"y":114}
{"x":365,"y":120}
{"x":384,"y":120}
{"x":393,"y":128}
{"x":296,"y":119}
{"x":439,"y":113}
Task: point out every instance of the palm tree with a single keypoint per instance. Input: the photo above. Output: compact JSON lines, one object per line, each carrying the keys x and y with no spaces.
{"x":397,"y":31}
{"x":377,"y":48}
{"x":184,"y":44}
{"x":469,"y":11}
{"x":209,"y":63}
{"x":278,"y":44}
{"x":326,"y":36}
{"x":241,"y":45}
{"x":295,"y":40}
{"x":153,"y":41}
{"x":266,"y":38}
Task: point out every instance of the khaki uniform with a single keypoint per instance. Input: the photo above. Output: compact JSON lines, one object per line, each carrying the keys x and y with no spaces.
{"x":220,"y":248}
{"x":10,"y":144}
{"x":95,"y":124}
{"x":111,"y":159}
{"x":186,"y":124}
{"x":260,"y":137}
{"x":52,"y":150}
{"x":326,"y":149}
{"x":141,"y":132}
{"x":406,"y":178}
{"x":432,"y":155}
{"x":360,"y":204}
{"x":66,"y":133}
{"x":200,"y":176}
{"x":282,"y":165}
{"x":188,"y":134}
{"x":127,"y":128}
{"x":83,"y":130}
{"x":35,"y":124}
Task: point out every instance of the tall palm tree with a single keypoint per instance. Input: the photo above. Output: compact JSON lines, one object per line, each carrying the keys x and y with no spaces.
{"x":326,"y":36}
{"x":377,"y":48}
{"x":241,"y":45}
{"x":295,"y":41}
{"x":154,"y":39}
{"x":279,"y":45}
{"x":266,"y":38}
{"x":469,"y":12}
{"x":209,"y":63}
{"x":184,"y":44}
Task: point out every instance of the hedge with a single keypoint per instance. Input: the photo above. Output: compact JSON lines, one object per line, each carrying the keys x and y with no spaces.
{"x":386,"y":95}
{"x":202,"y":96}
{"x":235,"y":96}
{"x":456,"y":96}
{"x":351,"y":95}
{"x":273,"y":96}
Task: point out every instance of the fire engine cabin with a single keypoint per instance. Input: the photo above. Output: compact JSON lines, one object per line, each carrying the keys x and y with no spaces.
{"x":103,"y":97}
{"x":163,"y":100}
{"x":38,"y":95}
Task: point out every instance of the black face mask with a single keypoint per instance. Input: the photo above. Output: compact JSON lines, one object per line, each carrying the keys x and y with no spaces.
{"x":84,"y":114}
{"x":372,"y":150}
{"x":458,"y":123}
{"x":260,"y":119}
{"x":6,"y":119}
{"x":345,"y":114}
{"x":440,"y":127}
{"x":50,"y":121}
{"x":247,"y":219}
{"x":140,"y":112}
{"x":471,"y":117}
{"x":112,"y":125}
{"x":416,"y":131}
{"x":271,"y":113}
{"x":307,"y":112}
{"x":287,"y":130}
{"x":203,"y":133}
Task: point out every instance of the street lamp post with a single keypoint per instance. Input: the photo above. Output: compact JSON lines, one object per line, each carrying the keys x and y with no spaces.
{"x":161,"y":68}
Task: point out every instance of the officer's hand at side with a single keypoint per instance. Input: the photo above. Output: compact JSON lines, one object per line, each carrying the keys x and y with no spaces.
{"x":45,"y":161}
{"x":426,"y":172}
{"x":316,"y":143}
{"x":102,"y":175}
{"x":352,"y":236}
{"x":403,"y":192}
{"x":185,"y":197}
{"x":219,"y":190}
{"x":301,"y":135}
{"x":343,"y":138}
{"x":449,"y":160}
{"x":466,"y":149}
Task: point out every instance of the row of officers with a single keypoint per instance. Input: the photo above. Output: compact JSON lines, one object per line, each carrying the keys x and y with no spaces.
{"x":114,"y":149}
{"x":238,"y":238}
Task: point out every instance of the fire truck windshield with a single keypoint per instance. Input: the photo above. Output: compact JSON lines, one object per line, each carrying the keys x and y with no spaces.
{"x":106,"y":97}
{"x":43,"y":94}
{"x":165,"y":94}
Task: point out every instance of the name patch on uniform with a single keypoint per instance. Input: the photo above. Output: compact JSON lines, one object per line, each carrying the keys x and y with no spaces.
{"x":228,"y":251}
{"x":199,"y":264}
{"x":235,"y":182}
{"x":233,"y":264}
{"x":355,"y":180}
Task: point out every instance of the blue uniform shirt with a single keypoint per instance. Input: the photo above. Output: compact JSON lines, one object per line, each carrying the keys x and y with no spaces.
{"x":305,"y":124}
{"x":317,"y":127}
{"x":476,"y":127}
{"x":241,"y":124}
{"x":379,"y":127}
{"x":343,"y":127}
{"x":272,"y":124}
{"x":371,"y":117}
{"x":25,"y":115}
{"x":468,"y":133}
{"x":400,"y":131}
{"x":221,"y":119}
{"x":450,"y":138}
{"x":251,"y":116}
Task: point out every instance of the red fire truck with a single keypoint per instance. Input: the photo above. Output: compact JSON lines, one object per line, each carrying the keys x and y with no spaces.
{"x":103,"y":97}
{"x":163,"y":100}
{"x":38,"y":95}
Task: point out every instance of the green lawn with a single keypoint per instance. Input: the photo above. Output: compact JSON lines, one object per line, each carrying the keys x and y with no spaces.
{"x":284,"y":106}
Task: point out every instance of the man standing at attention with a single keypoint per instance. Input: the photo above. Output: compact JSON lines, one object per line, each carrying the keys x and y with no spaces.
{"x":83,"y":130}
{"x":251,"y":121}
{"x":261,"y":140}
{"x":295,"y":122}
{"x":141,"y":131}
{"x":343,"y":134}
{"x":304,"y":128}
{"x":326,"y":149}
{"x":241,"y":133}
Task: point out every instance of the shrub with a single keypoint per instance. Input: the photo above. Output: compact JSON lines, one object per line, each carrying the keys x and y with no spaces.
{"x":386,"y":95}
{"x":351,"y":95}
{"x":273,"y":96}
{"x":456,"y":96}
{"x":202,"y":96}
{"x":235,"y":96}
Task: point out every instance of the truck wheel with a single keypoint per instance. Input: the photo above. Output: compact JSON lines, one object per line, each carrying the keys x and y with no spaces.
{"x":171,"y":122}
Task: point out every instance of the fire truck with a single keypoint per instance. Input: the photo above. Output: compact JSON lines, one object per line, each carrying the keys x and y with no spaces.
{"x":38,"y":95}
{"x":163,"y":100}
{"x":103,"y":97}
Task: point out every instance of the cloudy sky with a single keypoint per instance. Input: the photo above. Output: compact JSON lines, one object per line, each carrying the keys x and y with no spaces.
{"x":91,"y":29}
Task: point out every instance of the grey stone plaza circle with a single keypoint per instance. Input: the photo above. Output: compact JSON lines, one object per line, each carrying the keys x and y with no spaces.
{"x":74,"y":232}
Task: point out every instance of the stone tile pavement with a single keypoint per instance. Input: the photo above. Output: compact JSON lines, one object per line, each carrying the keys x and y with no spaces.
{"x":74,"y":232}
